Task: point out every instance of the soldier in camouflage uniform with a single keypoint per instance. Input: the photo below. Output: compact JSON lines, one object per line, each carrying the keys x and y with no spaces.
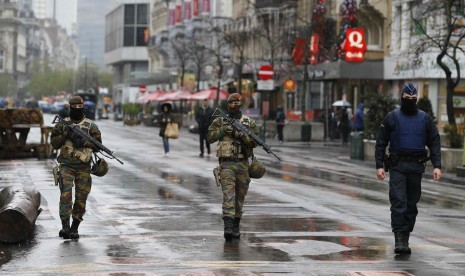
{"x":75,"y":166}
{"x":233,"y":150}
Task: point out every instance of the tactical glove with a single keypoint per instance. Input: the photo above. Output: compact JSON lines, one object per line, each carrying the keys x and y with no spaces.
{"x":78,"y":141}
{"x":237,"y":134}
{"x":228,"y":129}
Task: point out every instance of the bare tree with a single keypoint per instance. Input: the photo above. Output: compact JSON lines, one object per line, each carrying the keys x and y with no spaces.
{"x":438,"y":22}
{"x":181,"y":53}
{"x":199,"y":57}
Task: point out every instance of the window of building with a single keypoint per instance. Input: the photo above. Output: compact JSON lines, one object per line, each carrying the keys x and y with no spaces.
{"x":135,"y":25}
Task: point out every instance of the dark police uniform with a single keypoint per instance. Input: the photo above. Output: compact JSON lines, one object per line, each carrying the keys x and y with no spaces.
{"x":407,"y":136}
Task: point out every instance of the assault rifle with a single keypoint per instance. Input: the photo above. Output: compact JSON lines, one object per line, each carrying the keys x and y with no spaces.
{"x":76,"y":129}
{"x":240,"y":127}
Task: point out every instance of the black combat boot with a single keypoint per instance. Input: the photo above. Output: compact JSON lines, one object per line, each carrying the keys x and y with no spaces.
{"x":73,"y":233}
{"x":64,"y":232}
{"x":228,"y":228}
{"x":401,"y":243}
{"x":236,"y":224}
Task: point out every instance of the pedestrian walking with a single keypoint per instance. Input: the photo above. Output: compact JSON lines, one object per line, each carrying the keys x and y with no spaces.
{"x":165,"y":118}
{"x":203,"y":117}
{"x":233,"y":150}
{"x":280,"y":122}
{"x":344,"y":125}
{"x":359,"y":117}
{"x":74,"y":165}
{"x":407,"y":130}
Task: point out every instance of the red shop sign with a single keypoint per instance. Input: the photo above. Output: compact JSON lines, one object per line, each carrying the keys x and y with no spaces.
{"x":354,"y":45}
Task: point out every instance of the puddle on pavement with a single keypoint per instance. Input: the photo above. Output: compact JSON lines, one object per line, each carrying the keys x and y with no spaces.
{"x":325,"y":248}
{"x":309,"y":224}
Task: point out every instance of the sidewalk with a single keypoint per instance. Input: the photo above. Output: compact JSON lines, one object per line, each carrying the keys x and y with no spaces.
{"x":446,"y":178}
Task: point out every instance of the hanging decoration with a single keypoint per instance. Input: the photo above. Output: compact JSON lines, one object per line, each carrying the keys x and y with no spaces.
{"x":349,"y":20}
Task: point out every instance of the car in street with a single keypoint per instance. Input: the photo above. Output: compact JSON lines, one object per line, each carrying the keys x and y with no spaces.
{"x":45,"y":106}
{"x":57,"y":106}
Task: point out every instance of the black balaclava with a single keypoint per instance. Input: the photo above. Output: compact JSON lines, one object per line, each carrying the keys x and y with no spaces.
{"x":76,"y":114}
{"x":409,"y":106}
{"x":234,"y":108}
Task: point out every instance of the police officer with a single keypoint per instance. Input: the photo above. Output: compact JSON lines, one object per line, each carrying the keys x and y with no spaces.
{"x":407,"y":130}
{"x":75,"y":166}
{"x":233,"y":150}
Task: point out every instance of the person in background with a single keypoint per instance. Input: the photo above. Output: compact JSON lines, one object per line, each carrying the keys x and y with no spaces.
{"x":75,"y":166}
{"x":344,"y":125}
{"x":203,"y":117}
{"x":359,"y":117}
{"x":64,"y":112}
{"x":280,"y":122}
{"x":407,"y":130}
{"x":164,"y":119}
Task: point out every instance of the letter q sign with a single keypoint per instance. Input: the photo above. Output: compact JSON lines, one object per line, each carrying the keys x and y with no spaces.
{"x":354,"y":45}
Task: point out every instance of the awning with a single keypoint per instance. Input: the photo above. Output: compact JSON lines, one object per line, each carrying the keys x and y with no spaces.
{"x":176,"y":95}
{"x":209,"y":94}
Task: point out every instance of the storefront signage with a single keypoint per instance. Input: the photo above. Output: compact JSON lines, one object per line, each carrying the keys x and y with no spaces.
{"x":265,"y":85}
{"x":403,"y":67}
{"x":354,"y":45}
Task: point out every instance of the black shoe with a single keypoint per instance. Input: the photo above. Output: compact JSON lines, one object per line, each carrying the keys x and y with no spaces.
{"x":65,"y":230}
{"x":401,"y":246}
{"x":73,"y":233}
{"x":201,"y":155}
{"x":236,"y":225}
{"x":228,"y":228}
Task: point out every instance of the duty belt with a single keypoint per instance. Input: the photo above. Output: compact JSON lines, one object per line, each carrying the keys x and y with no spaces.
{"x":231,"y":159}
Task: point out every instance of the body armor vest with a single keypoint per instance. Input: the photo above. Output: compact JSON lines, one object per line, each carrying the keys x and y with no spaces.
{"x":228,"y":147}
{"x":68,"y":150}
{"x":409,"y":135}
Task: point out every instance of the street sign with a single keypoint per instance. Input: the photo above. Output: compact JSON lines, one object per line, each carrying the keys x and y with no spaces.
{"x":142,"y":89}
{"x":265,"y":72}
{"x":265,"y":85}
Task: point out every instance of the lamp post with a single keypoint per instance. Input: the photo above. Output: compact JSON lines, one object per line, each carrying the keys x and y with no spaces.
{"x":220,"y":72}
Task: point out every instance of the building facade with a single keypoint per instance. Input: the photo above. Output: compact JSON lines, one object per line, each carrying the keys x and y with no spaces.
{"x":126,"y":38}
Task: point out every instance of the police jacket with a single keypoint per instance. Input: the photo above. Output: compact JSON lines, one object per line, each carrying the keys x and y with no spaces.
{"x":414,"y":144}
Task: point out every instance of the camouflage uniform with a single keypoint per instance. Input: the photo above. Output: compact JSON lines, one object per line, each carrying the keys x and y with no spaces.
{"x":75,"y":168}
{"x":234,"y":165}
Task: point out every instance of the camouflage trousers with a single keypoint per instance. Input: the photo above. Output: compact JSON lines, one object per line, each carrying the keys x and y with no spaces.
{"x":235,"y":184}
{"x":78,"y":176}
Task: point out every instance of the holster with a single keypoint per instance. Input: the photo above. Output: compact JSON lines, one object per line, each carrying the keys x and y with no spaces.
{"x":387,"y":162}
{"x":216,"y":173}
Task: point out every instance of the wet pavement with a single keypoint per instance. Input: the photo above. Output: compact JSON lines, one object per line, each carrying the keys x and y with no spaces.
{"x":315,"y":213}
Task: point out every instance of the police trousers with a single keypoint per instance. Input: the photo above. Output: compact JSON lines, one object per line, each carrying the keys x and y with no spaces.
{"x":404,"y":194}
{"x":77,"y":176}
{"x":235,"y":184}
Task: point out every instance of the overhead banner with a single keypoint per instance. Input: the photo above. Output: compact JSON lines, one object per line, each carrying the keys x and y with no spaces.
{"x":171,"y":13}
{"x":206,"y":7}
{"x":195,"y":8}
{"x":187,"y":10}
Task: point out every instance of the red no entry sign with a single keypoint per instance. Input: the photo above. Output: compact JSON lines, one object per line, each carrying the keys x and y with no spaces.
{"x":265,"y":72}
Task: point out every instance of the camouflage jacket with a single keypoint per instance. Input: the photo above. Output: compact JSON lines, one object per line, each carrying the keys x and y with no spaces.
{"x":216,"y":132}
{"x":58,"y":140}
